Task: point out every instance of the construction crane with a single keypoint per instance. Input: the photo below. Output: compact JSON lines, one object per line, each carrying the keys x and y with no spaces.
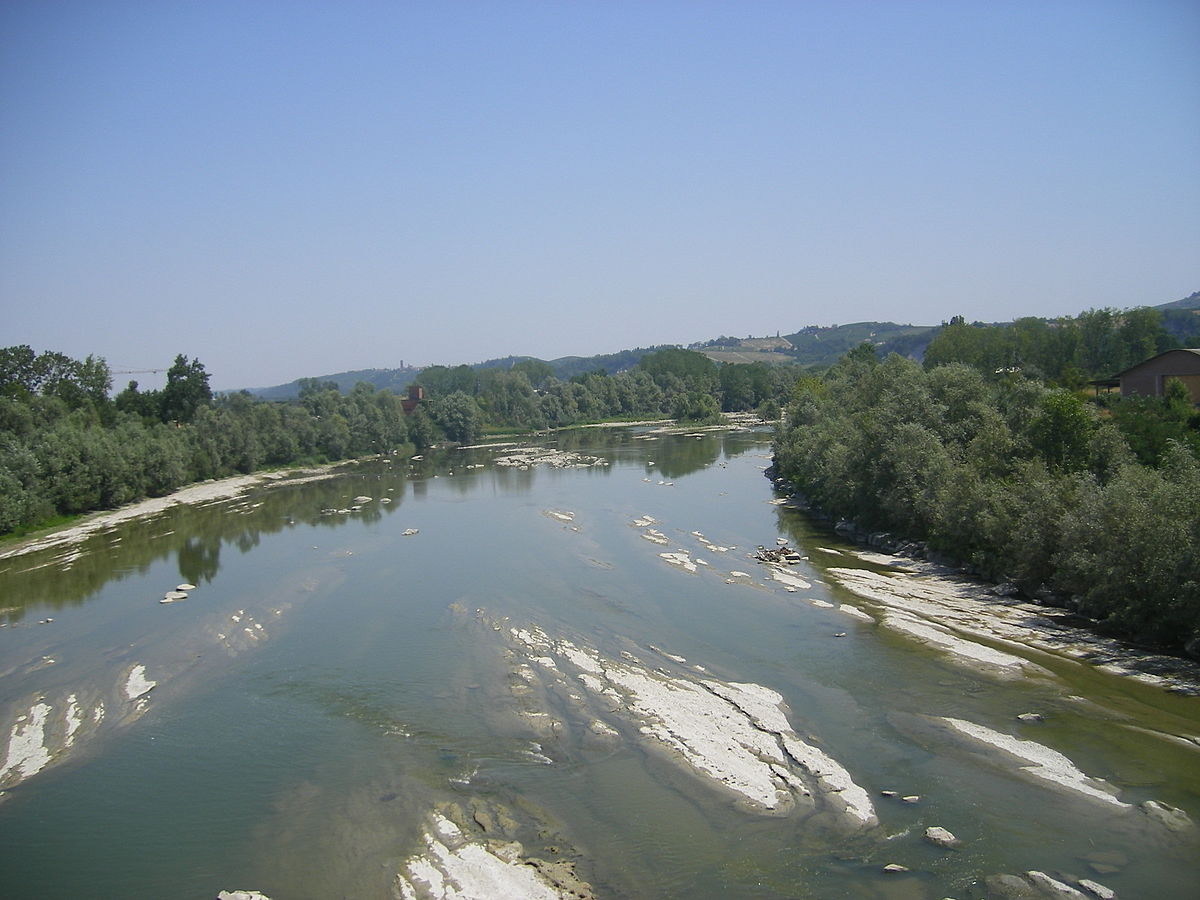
{"x":136,"y":371}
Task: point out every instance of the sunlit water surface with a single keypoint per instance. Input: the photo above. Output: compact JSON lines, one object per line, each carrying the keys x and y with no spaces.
{"x":302,"y":758}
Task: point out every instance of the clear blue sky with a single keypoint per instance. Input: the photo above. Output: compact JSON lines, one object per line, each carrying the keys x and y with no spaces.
{"x":284,"y":188}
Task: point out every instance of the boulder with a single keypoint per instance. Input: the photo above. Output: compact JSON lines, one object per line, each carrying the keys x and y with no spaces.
{"x":1052,"y":887}
{"x":1097,"y":889}
{"x":1010,"y":887}
{"x":1174,"y":819}
{"x":940,"y":837}
{"x":1031,"y":885}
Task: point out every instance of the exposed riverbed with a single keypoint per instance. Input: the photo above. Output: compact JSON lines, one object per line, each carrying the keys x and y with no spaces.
{"x":559,"y":670}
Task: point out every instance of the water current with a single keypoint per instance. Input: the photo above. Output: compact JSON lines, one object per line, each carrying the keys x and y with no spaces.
{"x":503,"y":652}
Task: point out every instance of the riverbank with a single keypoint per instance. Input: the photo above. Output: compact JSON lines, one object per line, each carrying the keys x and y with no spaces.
{"x":939,"y":603}
{"x":192,"y":495}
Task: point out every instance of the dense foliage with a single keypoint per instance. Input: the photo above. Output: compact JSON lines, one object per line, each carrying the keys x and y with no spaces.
{"x":1018,"y":480}
{"x":1096,"y":344}
{"x":66,"y":448}
{"x":681,"y":384}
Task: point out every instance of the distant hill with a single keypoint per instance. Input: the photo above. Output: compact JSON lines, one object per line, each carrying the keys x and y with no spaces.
{"x":566,"y":366}
{"x":821,"y":345}
{"x":815,"y":345}
{"x":1192,"y":302}
{"x":398,"y":380}
{"x":395,"y":380}
{"x":1181,"y":319}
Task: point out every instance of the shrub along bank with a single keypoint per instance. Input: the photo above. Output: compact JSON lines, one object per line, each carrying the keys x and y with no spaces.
{"x":1016,"y":480}
{"x":67,"y":447}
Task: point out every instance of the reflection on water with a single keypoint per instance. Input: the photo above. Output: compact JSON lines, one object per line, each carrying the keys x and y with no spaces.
{"x":193,"y":535}
{"x":342,"y":676}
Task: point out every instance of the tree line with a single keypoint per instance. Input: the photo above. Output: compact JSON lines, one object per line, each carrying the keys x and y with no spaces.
{"x":1093,"y":505}
{"x":1068,"y":351}
{"x":67,"y":447}
{"x":668,"y":382}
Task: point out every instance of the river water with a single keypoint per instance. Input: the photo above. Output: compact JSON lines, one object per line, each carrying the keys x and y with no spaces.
{"x":332,"y":681}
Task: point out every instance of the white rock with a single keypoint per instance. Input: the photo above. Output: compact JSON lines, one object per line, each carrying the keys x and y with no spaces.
{"x":680,"y":559}
{"x":1097,"y":889}
{"x":451,"y":869}
{"x":27,"y":752}
{"x":940,"y":837}
{"x":854,"y":611}
{"x":944,"y":639}
{"x":789,"y":579}
{"x":1041,"y":762}
{"x":1053,"y":887}
{"x":137,"y":684}
{"x":736,"y":735}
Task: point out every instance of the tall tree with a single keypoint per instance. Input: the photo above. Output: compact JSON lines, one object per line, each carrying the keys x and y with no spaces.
{"x":186,"y":391}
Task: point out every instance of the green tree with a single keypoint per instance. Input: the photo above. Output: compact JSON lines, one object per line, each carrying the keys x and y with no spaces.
{"x":694,"y":370}
{"x":458,"y":417}
{"x":535,"y":370}
{"x":18,"y":375}
{"x":1138,"y":336}
{"x":1149,"y":424}
{"x":1131,"y":551}
{"x":147,"y":404}
{"x":186,"y":391}
{"x":696,"y":407}
{"x":1061,"y":430}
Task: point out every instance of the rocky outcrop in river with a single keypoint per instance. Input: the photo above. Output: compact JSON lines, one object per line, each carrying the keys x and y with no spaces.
{"x":471,"y":853}
{"x":733,"y":737}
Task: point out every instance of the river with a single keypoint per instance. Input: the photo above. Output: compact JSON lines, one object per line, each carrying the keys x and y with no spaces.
{"x":570,"y":669}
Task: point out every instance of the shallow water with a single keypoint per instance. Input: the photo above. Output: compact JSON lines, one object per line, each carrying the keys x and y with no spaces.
{"x":300,"y":748}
